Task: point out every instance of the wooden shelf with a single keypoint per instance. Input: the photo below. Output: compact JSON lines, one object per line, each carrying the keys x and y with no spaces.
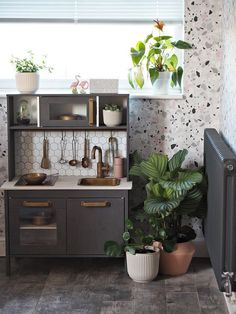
{"x":51,"y":226}
{"x":94,"y":128}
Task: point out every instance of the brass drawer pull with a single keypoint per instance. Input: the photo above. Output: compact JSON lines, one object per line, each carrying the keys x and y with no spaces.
{"x":95,"y":204}
{"x":36,"y":204}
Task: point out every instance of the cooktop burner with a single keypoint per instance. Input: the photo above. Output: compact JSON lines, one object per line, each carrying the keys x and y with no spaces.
{"x":49,"y":181}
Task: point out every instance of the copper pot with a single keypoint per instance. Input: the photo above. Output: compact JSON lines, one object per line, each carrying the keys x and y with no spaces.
{"x":34,"y":178}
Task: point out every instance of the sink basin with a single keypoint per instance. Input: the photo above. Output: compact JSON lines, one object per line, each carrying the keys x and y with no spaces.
{"x":99,"y":181}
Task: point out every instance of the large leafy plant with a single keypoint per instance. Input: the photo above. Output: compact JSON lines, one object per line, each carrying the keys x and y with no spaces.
{"x":172,"y":192}
{"x":156,"y":54}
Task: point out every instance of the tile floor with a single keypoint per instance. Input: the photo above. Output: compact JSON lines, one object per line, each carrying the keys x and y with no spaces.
{"x":91,"y":286}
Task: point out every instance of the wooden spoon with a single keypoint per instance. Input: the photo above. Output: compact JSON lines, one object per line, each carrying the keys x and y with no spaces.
{"x":45,"y":163}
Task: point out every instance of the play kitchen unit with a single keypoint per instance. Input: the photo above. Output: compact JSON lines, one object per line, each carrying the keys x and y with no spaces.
{"x":68,"y":174}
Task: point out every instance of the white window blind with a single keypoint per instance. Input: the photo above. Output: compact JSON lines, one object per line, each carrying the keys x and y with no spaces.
{"x":91,"y":10}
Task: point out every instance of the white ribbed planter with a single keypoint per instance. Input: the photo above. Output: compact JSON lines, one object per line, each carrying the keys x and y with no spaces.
{"x":162,"y":84}
{"x":112,"y":118}
{"x":27,"y":82}
{"x":143,"y":267}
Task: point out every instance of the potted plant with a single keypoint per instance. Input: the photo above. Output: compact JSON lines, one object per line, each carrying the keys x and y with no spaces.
{"x":156,"y":55}
{"x":27,"y":76}
{"x":142,"y":259}
{"x":112,"y":115}
{"x":172,"y":192}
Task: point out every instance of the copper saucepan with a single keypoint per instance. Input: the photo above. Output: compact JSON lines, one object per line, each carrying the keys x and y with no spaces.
{"x":34,"y":178}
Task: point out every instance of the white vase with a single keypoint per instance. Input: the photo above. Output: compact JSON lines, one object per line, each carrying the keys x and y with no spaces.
{"x":27,"y":82}
{"x":112,"y":118}
{"x":143,"y":267}
{"x":162,"y":84}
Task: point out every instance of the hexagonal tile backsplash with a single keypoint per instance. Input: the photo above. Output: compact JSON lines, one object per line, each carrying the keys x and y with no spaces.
{"x":29,"y":148}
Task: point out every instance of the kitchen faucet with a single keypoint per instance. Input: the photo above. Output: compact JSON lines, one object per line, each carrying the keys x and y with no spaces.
{"x":101,"y":167}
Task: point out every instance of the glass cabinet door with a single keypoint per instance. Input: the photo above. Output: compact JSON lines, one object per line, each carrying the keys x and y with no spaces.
{"x":64,"y":111}
{"x":38,"y":226}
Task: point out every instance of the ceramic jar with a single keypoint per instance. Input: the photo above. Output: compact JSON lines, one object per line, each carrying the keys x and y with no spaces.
{"x":118,"y":167}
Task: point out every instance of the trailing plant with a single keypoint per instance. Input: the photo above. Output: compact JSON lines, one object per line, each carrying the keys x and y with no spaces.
{"x":156,"y":54}
{"x":172,"y":192}
{"x":29,"y":65}
{"x":135,"y":240}
{"x":112,"y":107}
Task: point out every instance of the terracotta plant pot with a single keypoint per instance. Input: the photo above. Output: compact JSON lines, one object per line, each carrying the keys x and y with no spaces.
{"x":143,"y":267}
{"x":177,"y":262}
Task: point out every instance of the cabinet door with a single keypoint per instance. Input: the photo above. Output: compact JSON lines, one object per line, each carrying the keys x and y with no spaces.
{"x":64,"y":111}
{"x":37,"y":226}
{"x":93,"y":221}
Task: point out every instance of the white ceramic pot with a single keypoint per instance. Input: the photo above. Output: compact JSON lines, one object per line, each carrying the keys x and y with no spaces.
{"x":143,"y":267}
{"x":112,"y":118}
{"x":162,"y":84}
{"x":27,"y":82}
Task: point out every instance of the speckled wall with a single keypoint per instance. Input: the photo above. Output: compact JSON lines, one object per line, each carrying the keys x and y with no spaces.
{"x":169,"y":125}
{"x":228,"y":125}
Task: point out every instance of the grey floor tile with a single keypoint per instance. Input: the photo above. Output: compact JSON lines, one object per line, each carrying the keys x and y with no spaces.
{"x":212,"y":301}
{"x":118,"y":307}
{"x":182,"y":283}
{"x":182,"y":302}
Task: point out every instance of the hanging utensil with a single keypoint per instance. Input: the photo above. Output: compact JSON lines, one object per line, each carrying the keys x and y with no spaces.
{"x":45,"y":163}
{"x":63,"y":143}
{"x":85,"y":159}
{"x":74,"y":161}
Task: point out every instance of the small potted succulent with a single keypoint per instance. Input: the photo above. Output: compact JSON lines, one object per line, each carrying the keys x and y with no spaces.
{"x":27,"y":76}
{"x":172,"y":193}
{"x":141,"y":257}
{"x":155,"y":56}
{"x":112,"y":115}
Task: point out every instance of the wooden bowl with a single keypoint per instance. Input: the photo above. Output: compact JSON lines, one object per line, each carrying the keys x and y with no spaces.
{"x":34,"y":178}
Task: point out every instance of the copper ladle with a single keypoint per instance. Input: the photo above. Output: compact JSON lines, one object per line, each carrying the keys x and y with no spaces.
{"x":74,"y":161}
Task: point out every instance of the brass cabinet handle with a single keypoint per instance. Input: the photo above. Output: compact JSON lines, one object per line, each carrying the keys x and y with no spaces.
{"x":36,"y":204}
{"x":95,"y":204}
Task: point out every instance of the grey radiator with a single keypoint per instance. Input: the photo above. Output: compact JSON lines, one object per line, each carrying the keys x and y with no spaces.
{"x":220,"y":224}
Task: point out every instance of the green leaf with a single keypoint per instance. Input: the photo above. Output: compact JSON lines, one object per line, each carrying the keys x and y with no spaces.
{"x":169,"y":245}
{"x":138,"y":52}
{"x":155,"y":166}
{"x":177,"y":160}
{"x":159,"y":206}
{"x":148,"y":38}
{"x":112,"y":249}
{"x":129,"y":224}
{"x":160,"y":38}
{"x":191,"y":202}
{"x":184,"y":181}
{"x":138,"y":76}
{"x":130,"y":249}
{"x":180,"y":44}
{"x":174,"y":79}
{"x":147,"y":240}
{"x":141,"y":216}
{"x":179,"y":75}
{"x":126,"y":236}
{"x":154,"y":74}
{"x":135,"y":170}
{"x":162,"y":233}
{"x":130,"y":78}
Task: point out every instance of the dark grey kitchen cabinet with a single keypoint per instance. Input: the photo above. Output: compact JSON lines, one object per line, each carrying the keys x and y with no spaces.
{"x":37,"y":225}
{"x":91,"y":222}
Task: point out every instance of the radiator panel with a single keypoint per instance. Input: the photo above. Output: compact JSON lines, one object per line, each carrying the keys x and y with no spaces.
{"x":219,"y":225}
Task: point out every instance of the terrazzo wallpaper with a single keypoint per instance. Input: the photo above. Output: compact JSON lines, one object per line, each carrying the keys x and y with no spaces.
{"x":228,"y":125}
{"x":169,"y":125}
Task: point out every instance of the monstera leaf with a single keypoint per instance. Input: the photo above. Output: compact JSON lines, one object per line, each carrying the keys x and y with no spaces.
{"x":177,"y":160}
{"x":155,"y":166}
{"x":184,"y":181}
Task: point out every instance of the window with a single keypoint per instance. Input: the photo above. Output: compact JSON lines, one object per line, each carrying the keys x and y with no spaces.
{"x":96,"y":42}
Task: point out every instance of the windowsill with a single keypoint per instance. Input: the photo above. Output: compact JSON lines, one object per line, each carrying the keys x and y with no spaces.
{"x":145,"y":94}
